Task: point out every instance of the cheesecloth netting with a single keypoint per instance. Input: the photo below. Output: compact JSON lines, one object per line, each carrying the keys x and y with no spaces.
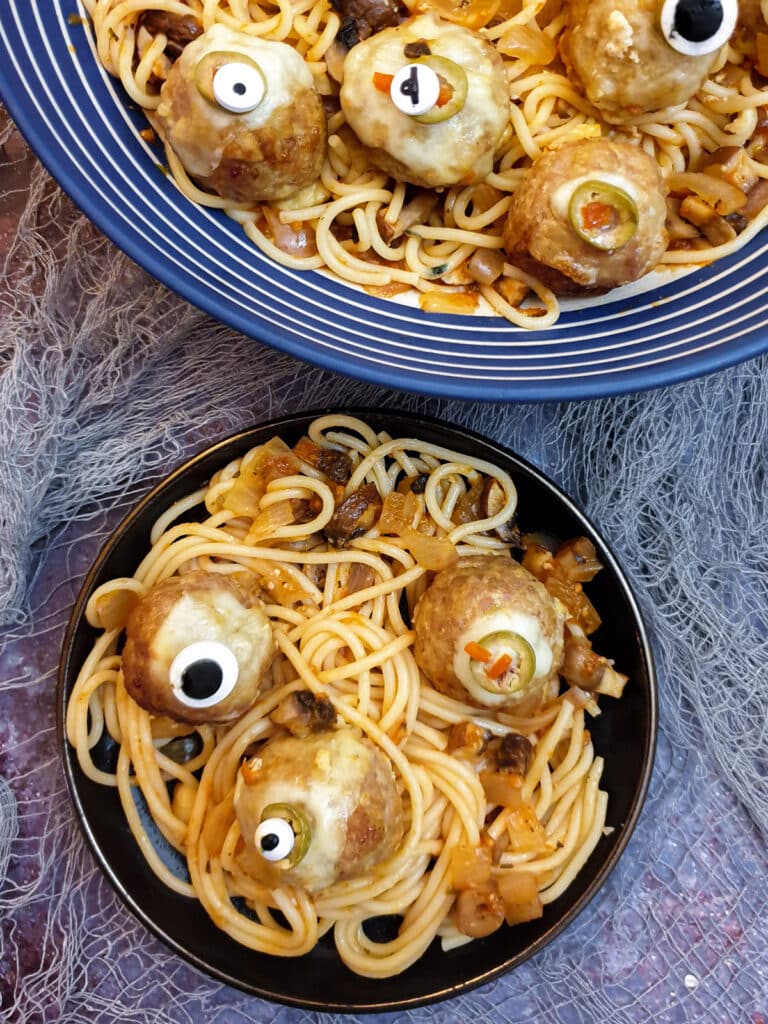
{"x":107,"y":381}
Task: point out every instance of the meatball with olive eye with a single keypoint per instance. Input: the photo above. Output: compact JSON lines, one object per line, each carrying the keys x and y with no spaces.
{"x":429,"y":100}
{"x":488,"y":633}
{"x":196,"y":649}
{"x":316,"y":809}
{"x":633,"y":57}
{"x":588,"y":217}
{"x":243,"y":117}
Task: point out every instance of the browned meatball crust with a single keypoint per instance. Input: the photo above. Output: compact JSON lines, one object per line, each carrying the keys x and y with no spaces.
{"x":475,"y":598}
{"x":343,"y":788}
{"x":267,"y":153}
{"x":538,"y":234}
{"x":190,"y":609}
{"x":615,"y":52}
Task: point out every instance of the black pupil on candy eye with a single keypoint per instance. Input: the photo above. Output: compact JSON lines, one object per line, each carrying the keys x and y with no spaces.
{"x":239,"y":88}
{"x":269,"y":841}
{"x":410,"y":87}
{"x":698,"y":20}
{"x":201,"y":679}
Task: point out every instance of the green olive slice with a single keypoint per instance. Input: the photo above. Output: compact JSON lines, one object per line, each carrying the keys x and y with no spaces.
{"x":604,"y":215}
{"x":453,"y":89}
{"x":511,"y":666}
{"x":299,"y":824}
{"x":211,"y":63}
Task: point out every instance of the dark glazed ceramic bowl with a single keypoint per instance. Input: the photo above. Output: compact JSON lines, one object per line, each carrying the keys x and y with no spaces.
{"x":625,"y":733}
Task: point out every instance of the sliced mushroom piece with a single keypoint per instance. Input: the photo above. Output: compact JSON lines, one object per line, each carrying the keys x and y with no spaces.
{"x":303,"y":713}
{"x":334,"y":464}
{"x":416,"y":211}
{"x":514,"y":753}
{"x":492,"y":500}
{"x":467,"y":740}
{"x":356,"y":514}
{"x":576,"y":559}
{"x":363,"y":18}
{"x":413,"y":484}
{"x":178,"y":29}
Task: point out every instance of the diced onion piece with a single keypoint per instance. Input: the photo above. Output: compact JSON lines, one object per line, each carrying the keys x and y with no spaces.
{"x":470,"y":14}
{"x":502,"y":789}
{"x":396,"y":513}
{"x":723,"y":197}
{"x":579,"y":607}
{"x":527,"y":43}
{"x":470,"y":865}
{"x":433,"y":553}
{"x":273,"y":460}
{"x":436,"y":301}
{"x":525,"y":831}
{"x":519,"y":893}
{"x":266,"y":522}
{"x":114,"y":608}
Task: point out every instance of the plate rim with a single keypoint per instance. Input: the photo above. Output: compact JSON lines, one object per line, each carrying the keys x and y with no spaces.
{"x":72,"y":769}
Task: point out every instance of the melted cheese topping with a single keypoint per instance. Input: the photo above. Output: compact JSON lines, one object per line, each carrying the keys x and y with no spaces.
{"x":218,"y":616}
{"x":621,"y":37}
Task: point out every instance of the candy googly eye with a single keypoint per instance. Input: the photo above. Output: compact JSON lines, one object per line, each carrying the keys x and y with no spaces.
{"x":698,"y":27}
{"x":284,"y":833}
{"x":275,"y":839}
{"x":203,"y":674}
{"x":415,"y":89}
{"x":231,"y":80}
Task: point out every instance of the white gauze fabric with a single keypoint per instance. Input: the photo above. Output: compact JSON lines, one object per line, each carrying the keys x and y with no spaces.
{"x":107,"y":381}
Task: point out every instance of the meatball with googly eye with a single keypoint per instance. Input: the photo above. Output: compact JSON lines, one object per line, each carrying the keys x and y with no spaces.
{"x":197,"y":649}
{"x":317,"y":809}
{"x":243,"y":116}
{"x":429,"y":101}
{"x":634,"y":57}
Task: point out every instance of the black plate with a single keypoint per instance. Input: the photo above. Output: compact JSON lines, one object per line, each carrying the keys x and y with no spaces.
{"x":625,"y":733}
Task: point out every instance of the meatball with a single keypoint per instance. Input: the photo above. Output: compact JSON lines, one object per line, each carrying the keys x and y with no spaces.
{"x":751,"y":22}
{"x":243,"y":117}
{"x":456,"y":138}
{"x":487,"y":632}
{"x":588,"y":217}
{"x":196,"y":649}
{"x":616,"y":52}
{"x":319,"y":808}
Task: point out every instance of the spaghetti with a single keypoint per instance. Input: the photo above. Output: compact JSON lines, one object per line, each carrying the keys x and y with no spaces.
{"x":340,"y":617}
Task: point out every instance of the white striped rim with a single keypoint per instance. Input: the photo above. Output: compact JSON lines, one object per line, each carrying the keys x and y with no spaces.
{"x":84,"y":130}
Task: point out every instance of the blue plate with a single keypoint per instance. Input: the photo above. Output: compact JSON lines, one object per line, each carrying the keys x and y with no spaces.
{"x":85,"y":131}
